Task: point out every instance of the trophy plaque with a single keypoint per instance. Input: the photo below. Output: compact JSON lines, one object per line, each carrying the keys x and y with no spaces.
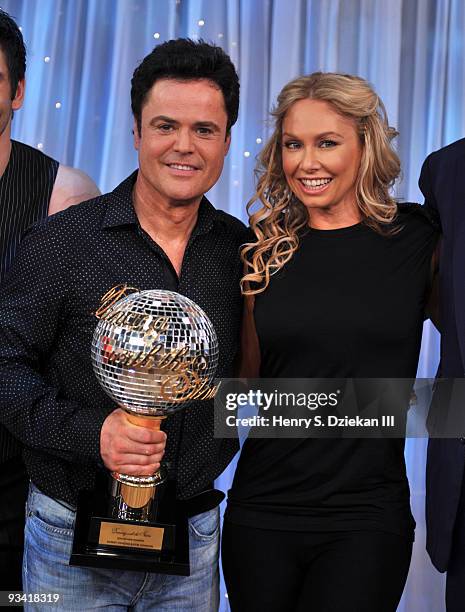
{"x":153,"y":352}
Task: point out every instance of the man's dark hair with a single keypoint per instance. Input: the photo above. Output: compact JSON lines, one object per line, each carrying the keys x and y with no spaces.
{"x":12,"y":45}
{"x":186,"y":60}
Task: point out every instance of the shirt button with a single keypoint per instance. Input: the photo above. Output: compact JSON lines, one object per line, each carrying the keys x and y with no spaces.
{"x":462,"y":440}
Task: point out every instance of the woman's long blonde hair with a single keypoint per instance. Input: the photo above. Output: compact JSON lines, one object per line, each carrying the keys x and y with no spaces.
{"x":277,"y":222}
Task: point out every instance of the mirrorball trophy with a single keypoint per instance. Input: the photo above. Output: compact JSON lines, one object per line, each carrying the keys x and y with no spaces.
{"x":153,"y":352}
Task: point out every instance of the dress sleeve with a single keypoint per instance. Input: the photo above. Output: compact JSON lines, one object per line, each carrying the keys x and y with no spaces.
{"x":426,"y":185}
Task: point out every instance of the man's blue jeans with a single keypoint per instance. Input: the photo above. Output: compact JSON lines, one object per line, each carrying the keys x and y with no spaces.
{"x":48,"y":540}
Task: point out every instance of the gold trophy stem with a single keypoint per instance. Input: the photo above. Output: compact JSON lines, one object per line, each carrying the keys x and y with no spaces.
{"x":142,"y":420}
{"x":137,"y":497}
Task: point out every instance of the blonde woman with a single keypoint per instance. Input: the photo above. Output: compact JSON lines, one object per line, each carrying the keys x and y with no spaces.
{"x":336,"y":283}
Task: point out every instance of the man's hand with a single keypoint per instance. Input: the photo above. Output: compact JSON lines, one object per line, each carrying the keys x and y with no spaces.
{"x":130,"y":449}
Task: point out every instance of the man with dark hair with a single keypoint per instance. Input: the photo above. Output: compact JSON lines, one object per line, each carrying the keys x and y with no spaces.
{"x":442,"y":182}
{"x":155,"y":230}
{"x":31,"y":185}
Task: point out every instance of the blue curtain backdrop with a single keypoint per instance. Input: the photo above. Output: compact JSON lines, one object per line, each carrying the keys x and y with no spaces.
{"x":81,"y":55}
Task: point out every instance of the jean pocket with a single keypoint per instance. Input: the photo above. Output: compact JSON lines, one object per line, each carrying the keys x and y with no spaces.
{"x":205,"y":526}
{"x":50,"y":528}
{"x":49,"y":515}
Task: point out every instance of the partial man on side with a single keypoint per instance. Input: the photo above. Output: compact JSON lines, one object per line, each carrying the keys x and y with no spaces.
{"x":32,"y":185}
{"x":442,"y":182}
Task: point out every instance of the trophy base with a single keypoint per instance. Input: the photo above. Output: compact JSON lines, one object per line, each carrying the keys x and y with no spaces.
{"x":160,"y":546}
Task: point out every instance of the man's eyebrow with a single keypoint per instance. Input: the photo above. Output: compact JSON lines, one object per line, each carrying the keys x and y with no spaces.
{"x":164,"y":119}
{"x":208,"y":124}
{"x":198,"y":124}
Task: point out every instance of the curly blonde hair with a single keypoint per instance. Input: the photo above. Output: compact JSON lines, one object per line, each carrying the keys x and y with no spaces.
{"x":281,"y":215}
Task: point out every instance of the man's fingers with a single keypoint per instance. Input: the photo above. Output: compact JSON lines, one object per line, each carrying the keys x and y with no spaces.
{"x":125,"y":447}
{"x":141,"y":460}
{"x":144,"y":435}
{"x":136,"y":470}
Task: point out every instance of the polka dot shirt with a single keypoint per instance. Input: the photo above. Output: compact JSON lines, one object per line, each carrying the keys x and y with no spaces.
{"x":50,"y":398}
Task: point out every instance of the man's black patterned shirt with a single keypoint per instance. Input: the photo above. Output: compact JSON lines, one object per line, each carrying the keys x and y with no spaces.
{"x":50,"y":398}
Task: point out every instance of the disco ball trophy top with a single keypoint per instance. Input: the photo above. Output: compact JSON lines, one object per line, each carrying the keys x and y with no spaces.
{"x":154,"y":351}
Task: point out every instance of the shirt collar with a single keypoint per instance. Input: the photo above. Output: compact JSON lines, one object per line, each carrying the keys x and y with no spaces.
{"x":120,"y":209}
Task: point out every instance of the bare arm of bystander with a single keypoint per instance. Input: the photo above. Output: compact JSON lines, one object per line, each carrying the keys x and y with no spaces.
{"x":71,"y":187}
